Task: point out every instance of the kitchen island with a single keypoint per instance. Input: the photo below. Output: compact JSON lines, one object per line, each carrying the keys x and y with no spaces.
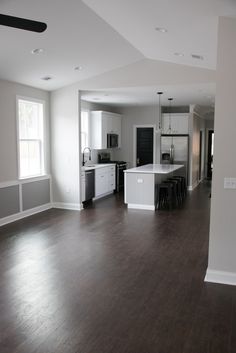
{"x":140,"y":184}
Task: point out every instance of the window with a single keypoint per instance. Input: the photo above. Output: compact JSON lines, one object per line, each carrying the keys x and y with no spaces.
{"x":84,"y":129}
{"x":31,"y":138}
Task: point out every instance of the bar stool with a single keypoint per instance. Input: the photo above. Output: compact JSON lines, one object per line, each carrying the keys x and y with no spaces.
{"x":179,"y":189}
{"x":175,"y":191}
{"x":184,"y":184}
{"x":164,"y":198}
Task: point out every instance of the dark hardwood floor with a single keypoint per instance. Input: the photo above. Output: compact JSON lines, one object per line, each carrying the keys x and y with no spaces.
{"x":110,"y":280}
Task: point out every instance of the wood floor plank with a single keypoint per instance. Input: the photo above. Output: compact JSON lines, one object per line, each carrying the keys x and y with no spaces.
{"x":113,"y":280}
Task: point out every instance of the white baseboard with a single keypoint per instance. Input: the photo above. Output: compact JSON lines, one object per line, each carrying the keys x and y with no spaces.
{"x":23,"y":214}
{"x":68,"y":206}
{"x":220,"y":277}
{"x":141,"y":207}
{"x":192,"y":187}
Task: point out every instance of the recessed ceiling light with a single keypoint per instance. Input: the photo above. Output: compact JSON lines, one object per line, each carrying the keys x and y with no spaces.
{"x":37,"y":51}
{"x":78,"y":68}
{"x":161,"y":29}
{"x":179,"y":54}
{"x":46,"y":78}
{"x":198,"y":57}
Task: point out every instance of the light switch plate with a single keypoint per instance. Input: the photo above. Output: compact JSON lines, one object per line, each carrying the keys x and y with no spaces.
{"x":233,"y":183}
{"x":140,"y":181}
{"x":229,"y":183}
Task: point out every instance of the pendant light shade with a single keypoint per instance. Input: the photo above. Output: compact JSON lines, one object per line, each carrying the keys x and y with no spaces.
{"x":160,"y":112}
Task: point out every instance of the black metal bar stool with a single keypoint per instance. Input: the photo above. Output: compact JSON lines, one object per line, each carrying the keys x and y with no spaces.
{"x":164,"y":196}
{"x":179,"y":189}
{"x":184,"y":183}
{"x":175,"y":191}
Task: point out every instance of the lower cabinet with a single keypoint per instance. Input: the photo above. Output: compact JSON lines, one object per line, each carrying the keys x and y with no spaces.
{"x":105,"y":180}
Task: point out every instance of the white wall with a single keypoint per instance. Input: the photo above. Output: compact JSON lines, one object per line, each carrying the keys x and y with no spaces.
{"x":136,"y":116}
{"x":8,"y":136}
{"x":65,"y":151}
{"x":223,"y":206}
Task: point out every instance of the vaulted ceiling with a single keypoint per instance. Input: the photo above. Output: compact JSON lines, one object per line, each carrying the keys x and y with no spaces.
{"x":111,"y":41}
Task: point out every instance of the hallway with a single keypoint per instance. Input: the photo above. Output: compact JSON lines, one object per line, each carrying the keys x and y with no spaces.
{"x":112,"y":280}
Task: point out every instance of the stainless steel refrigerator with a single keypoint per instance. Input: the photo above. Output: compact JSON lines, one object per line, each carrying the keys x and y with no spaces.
{"x":175,"y":150}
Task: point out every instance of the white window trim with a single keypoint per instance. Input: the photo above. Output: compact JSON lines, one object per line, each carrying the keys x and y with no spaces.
{"x":43,"y":159}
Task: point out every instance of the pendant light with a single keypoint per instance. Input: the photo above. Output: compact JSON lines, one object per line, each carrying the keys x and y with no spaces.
{"x":169,"y":128}
{"x":160,"y":113}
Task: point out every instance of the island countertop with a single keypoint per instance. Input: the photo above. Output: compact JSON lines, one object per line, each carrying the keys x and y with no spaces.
{"x":155,"y":168}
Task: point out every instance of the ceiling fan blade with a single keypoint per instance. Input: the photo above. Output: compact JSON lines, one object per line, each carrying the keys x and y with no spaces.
{"x":22,"y":23}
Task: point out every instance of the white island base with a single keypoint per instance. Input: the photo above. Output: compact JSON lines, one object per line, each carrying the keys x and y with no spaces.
{"x":140,"y":184}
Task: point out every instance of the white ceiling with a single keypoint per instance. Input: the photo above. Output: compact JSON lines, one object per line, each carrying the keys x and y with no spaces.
{"x":202,"y":94}
{"x":191,"y":25}
{"x":114,"y":41}
{"x":75,"y":36}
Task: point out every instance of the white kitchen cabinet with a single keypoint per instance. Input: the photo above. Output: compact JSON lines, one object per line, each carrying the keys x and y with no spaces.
{"x":179,"y":123}
{"x":101,"y":124}
{"x":105,"y":181}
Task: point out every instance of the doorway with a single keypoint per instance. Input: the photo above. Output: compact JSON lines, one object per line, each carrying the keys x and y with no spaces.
{"x":200,"y":155}
{"x":144,"y":143}
{"x":210,"y":152}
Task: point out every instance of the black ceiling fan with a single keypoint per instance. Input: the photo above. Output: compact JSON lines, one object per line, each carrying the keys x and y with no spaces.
{"x":22,"y":23}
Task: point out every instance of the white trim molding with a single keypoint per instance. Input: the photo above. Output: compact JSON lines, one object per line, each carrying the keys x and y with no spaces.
{"x":141,"y":207}
{"x":23,"y":214}
{"x":26,"y":213}
{"x":192,"y":187}
{"x":68,"y":206}
{"x":222,"y":277}
{"x":6,"y":184}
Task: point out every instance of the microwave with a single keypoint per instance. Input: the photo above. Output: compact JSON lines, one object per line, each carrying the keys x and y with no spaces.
{"x":112,"y":140}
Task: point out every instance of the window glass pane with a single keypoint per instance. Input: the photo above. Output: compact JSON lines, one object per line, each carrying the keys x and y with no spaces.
{"x":30,"y":159}
{"x":30,"y":120}
{"x":30,"y":116}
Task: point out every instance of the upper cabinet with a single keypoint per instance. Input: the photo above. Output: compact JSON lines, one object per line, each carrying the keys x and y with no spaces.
{"x":179,"y":123}
{"x":103,"y":123}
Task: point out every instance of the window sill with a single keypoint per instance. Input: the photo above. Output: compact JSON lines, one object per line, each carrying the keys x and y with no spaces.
{"x":34,"y":178}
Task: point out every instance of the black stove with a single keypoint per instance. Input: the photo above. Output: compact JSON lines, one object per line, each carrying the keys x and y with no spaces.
{"x":115,"y":162}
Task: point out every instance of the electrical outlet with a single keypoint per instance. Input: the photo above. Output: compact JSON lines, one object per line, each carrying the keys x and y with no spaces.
{"x":233,"y":183}
{"x":229,"y":183}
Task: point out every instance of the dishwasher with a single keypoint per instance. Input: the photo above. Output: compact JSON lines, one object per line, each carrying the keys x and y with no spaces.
{"x":89,"y":184}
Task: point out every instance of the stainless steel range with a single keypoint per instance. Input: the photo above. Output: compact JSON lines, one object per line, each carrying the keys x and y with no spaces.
{"x":105,"y":157}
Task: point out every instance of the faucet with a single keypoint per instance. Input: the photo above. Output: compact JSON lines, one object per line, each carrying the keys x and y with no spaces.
{"x":89,"y":149}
